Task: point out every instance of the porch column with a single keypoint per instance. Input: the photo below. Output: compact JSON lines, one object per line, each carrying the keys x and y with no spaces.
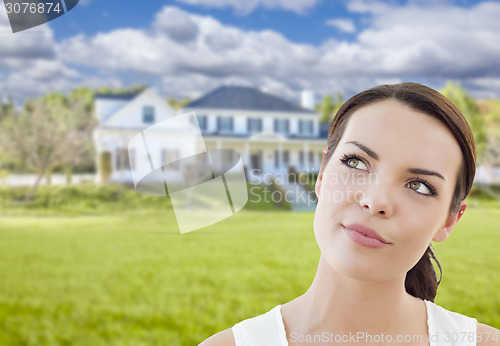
{"x":246,"y":155}
{"x":306,"y":156}
{"x":280,"y":155}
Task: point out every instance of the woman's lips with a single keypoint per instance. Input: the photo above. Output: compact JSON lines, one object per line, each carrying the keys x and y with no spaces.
{"x":364,"y":236}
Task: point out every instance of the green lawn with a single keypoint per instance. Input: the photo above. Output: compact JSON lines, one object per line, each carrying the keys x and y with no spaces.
{"x":135,"y":280}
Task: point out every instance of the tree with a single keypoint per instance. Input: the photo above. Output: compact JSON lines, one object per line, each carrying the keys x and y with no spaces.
{"x":326,"y":109}
{"x":175,"y":104}
{"x":470,"y":109}
{"x":7,"y":108}
{"x":7,"y":111}
{"x":329,"y":107}
{"x":134,"y":89}
{"x":45,"y":135}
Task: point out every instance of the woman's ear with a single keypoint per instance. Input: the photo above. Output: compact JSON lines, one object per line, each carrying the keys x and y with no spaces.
{"x":317,"y":187}
{"x":445,"y":230}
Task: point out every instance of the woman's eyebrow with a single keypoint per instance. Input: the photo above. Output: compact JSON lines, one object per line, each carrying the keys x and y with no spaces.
{"x":367,"y":150}
{"x":425,"y":171}
{"x":373,"y":155}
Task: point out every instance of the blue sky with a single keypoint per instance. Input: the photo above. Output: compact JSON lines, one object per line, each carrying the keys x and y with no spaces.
{"x":307,"y":26}
{"x":185,"y":48}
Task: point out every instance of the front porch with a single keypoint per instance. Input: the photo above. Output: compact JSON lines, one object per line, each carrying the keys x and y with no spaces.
{"x":267,"y":155}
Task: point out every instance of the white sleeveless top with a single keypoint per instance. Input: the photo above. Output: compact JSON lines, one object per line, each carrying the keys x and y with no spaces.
{"x":446,"y":328}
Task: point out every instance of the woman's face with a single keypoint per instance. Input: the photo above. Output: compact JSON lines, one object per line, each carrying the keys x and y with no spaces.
{"x":393,"y":171}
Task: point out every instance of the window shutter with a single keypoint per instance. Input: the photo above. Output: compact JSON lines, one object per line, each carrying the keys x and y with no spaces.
{"x":301,"y":127}
{"x":260,"y":124}
{"x":287,"y":125}
{"x":231,"y":123}
{"x":275,"y":125}
{"x":248,"y":125}
{"x":276,"y":153}
{"x":218,"y":123}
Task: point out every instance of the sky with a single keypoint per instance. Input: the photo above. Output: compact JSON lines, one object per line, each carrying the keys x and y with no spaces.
{"x":186,"y":48}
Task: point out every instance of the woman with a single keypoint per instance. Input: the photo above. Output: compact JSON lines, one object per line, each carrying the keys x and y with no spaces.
{"x":399,"y":163}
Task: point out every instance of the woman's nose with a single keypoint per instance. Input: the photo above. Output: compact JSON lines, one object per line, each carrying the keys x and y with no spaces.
{"x":376,"y":198}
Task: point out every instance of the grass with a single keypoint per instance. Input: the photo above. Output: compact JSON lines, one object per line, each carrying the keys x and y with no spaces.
{"x":132,"y":279}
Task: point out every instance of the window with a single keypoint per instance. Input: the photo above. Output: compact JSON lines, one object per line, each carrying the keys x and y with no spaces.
{"x":168,"y":156}
{"x":285,"y":158}
{"x":148,"y":115}
{"x":202,"y":120}
{"x":225,"y":124}
{"x":122,"y":159}
{"x":311,"y":158}
{"x":132,"y":159}
{"x":301,"y":158}
{"x":306,"y":127}
{"x":281,"y":126}
{"x":254,"y":125}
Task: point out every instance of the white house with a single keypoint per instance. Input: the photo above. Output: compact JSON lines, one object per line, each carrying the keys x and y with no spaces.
{"x":271,"y":134}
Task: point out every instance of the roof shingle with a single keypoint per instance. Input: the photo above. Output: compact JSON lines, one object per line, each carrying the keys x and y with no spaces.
{"x":240,"y":97}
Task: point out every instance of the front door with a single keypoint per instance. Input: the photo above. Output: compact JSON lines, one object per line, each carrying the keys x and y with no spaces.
{"x":256,"y":162}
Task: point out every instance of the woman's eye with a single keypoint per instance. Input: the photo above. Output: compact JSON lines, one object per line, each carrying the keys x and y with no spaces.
{"x":419,"y":187}
{"x":353,"y":162}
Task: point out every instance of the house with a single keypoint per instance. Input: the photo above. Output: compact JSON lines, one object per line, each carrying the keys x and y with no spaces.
{"x":271,"y":134}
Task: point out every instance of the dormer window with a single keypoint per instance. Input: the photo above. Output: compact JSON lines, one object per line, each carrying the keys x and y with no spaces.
{"x":202,"y":121}
{"x":148,"y":115}
{"x":224,"y":124}
{"x":306,"y":127}
{"x":254,"y":125}
{"x":281,"y":126}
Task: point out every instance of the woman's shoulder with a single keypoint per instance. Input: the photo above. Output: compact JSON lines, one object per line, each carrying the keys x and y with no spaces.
{"x":224,"y":338}
{"x":487,"y":335}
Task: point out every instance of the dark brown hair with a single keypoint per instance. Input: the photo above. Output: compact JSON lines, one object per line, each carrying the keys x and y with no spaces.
{"x":421,"y":281}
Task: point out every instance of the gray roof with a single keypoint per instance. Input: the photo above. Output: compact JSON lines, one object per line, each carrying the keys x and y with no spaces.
{"x":247,"y":98}
{"x":124,"y":97}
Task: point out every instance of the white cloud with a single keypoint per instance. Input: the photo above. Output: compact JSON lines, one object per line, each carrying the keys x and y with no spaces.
{"x":345,"y":25}
{"x":363,"y":6}
{"x":247,"y":6}
{"x":35,"y":43}
{"x":177,"y":24}
{"x":193,"y":54}
{"x":217,"y":50}
{"x":441,"y":41}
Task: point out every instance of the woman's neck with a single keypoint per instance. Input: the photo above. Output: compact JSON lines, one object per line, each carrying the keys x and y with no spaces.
{"x":334,"y":303}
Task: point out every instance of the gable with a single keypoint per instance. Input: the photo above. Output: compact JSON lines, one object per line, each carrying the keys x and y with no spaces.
{"x":131,"y":115}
